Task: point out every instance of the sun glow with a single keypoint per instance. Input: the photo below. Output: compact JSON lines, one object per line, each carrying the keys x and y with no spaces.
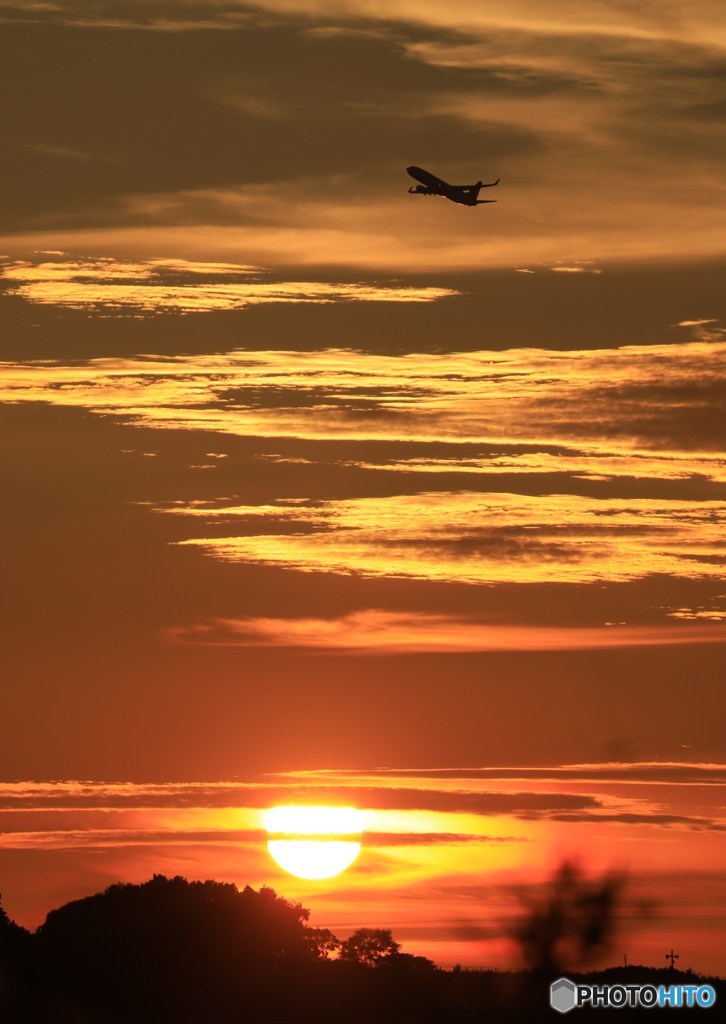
{"x":325,"y":855}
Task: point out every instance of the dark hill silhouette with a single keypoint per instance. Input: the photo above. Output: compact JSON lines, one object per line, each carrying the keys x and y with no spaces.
{"x":175,"y":951}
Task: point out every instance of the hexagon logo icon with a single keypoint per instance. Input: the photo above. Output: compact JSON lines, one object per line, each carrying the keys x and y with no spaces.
{"x":562,"y":995}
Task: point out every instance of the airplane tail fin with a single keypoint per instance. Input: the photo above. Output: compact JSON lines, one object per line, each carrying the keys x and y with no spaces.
{"x":476,"y":189}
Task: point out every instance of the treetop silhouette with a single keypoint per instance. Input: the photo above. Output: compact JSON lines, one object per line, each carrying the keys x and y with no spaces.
{"x":369,"y":946}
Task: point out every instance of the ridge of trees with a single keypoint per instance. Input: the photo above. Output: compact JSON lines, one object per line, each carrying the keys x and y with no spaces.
{"x":173,"y":950}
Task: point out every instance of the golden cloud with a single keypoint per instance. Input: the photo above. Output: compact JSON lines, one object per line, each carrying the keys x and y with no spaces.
{"x":182,"y":286}
{"x":384,"y":632}
{"x":468,"y":537}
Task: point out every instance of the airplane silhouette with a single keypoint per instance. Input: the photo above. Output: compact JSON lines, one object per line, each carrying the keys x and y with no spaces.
{"x":430,"y":185}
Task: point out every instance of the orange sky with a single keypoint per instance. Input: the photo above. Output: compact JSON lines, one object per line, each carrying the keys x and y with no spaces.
{"x":305,"y":476}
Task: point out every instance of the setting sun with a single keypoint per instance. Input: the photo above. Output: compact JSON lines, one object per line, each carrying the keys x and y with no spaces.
{"x":325,"y":855}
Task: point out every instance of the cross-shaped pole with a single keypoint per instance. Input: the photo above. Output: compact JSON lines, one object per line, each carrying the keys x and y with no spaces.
{"x":672,"y":957}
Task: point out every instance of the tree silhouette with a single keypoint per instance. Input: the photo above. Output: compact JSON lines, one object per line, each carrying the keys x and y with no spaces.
{"x":15,"y":944}
{"x":572,"y":924}
{"x":321,"y":943}
{"x":12,"y":935}
{"x":195,"y":918}
{"x":369,"y":946}
{"x":180,"y":943}
{"x":408,"y":963}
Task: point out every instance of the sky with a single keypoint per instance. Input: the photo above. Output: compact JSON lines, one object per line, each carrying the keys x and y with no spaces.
{"x":319,"y":492}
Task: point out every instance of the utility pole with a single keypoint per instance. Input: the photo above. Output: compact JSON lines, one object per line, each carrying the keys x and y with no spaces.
{"x":672,"y":957}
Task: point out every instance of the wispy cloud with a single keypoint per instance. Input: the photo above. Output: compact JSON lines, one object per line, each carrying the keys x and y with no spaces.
{"x":699,"y":614}
{"x":417,"y":806}
{"x":385,"y":632}
{"x":631,"y":489}
{"x":662,"y":22}
{"x":625,"y":818}
{"x":670,"y":773}
{"x":586,"y":267}
{"x":181,"y":286}
{"x":474,"y":538}
{"x":640,"y":399}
